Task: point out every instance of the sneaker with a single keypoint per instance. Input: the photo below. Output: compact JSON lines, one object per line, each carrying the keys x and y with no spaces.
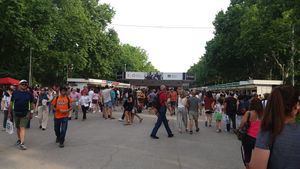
{"x":171,"y":135}
{"x":61,"y":145}
{"x":22,"y":147}
{"x":206,"y":124}
{"x":191,"y":132}
{"x":43,"y":129}
{"x":40,"y":127}
{"x":121,"y":120}
{"x":210,"y":125}
{"x":18,"y":143}
{"x":76,"y":118}
{"x":197,"y":130}
{"x":154,"y":137}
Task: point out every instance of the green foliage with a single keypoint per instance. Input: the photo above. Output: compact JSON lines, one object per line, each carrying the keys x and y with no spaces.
{"x":62,"y":33}
{"x":253,"y":39}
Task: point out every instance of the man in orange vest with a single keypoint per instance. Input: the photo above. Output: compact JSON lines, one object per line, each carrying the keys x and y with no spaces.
{"x":61,"y":106}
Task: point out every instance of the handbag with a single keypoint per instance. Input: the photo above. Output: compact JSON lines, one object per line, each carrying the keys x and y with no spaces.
{"x":242,"y":133}
{"x":9,"y":127}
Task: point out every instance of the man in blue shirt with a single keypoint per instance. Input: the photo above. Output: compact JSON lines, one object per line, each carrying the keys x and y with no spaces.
{"x":21,"y":104}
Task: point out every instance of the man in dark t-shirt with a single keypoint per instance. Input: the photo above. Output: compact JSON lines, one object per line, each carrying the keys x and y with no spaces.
{"x":230,"y":108}
{"x":21,"y":104}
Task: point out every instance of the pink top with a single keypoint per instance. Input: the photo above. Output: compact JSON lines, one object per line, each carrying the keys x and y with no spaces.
{"x":254,"y":128}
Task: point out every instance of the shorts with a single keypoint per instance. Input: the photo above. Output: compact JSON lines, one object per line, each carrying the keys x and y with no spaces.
{"x":173,"y":104}
{"x":95,"y":101}
{"x":21,"y":121}
{"x":218,"y":116}
{"x":193,"y":115}
{"x":75,"y":106}
{"x":208,"y":112}
{"x":128,"y":107}
{"x":108,"y":104}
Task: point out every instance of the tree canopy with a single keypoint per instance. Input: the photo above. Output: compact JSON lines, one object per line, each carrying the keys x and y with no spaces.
{"x":254,"y":39}
{"x":65,"y":36}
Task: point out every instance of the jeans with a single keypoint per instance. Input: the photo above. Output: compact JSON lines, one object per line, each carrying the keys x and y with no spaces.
{"x":161,"y":119}
{"x":84,"y":110}
{"x":232,"y":118}
{"x":5,"y":112}
{"x":181,"y":118}
{"x":60,"y":128}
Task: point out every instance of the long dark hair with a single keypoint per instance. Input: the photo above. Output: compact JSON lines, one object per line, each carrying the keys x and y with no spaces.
{"x":279,"y":106}
{"x":257,"y":106}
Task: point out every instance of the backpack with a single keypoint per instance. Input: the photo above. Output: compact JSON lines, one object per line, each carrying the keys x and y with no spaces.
{"x":156,"y":102}
{"x":69,"y":105}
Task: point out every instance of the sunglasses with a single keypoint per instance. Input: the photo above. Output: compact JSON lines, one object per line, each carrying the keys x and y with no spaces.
{"x":24,"y":84}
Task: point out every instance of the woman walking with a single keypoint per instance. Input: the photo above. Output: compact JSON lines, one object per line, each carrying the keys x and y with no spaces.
{"x":253,"y":118}
{"x":128,"y":107}
{"x":218,"y":115}
{"x":43,"y":109}
{"x":209,"y":104}
{"x":277,"y":145}
{"x":6,"y":104}
{"x":84,"y":102}
{"x":182,"y":112}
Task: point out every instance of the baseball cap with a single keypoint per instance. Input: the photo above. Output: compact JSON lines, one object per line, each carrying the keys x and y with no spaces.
{"x":23,"y":81}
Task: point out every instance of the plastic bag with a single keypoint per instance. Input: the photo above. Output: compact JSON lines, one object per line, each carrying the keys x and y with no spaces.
{"x":9,"y":127}
{"x":226,"y":119}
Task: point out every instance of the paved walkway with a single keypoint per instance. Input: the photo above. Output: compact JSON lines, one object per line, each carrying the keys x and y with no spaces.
{"x":108,"y":144}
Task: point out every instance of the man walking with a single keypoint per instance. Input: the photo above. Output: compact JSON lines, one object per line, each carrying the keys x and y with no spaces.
{"x":193,"y":106}
{"x":21,"y":104}
{"x":106,"y":94}
{"x":61,"y":106}
{"x":162,"y":109}
{"x":230,"y":108}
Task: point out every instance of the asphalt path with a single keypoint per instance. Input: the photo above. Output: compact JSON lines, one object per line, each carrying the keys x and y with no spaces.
{"x":108,"y":144}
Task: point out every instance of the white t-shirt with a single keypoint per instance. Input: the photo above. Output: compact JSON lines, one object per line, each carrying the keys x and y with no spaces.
{"x":84,"y":101}
{"x":96,"y":96}
{"x":181,"y":102}
{"x":118,"y":93}
{"x":91,"y":94}
{"x":218,"y":108}
{"x":106,"y":95}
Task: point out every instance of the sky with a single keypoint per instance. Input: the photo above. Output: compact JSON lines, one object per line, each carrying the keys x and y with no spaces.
{"x":185,"y":27}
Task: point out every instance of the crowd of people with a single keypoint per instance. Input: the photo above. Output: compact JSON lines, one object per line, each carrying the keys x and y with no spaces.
{"x":21,"y":103}
{"x":270,"y":121}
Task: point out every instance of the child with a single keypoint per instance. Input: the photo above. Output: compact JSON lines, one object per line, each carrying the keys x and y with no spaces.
{"x":218,"y":114}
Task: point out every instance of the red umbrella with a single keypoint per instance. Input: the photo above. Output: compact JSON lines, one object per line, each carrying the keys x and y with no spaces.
{"x":8,"y":81}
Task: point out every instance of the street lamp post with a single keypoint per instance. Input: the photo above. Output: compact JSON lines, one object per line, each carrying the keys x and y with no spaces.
{"x":69,"y":66}
{"x":30,"y":67}
{"x":293,"y":55}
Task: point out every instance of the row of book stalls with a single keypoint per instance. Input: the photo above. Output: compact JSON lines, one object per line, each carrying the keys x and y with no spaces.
{"x":95,"y":83}
{"x":248,"y":87}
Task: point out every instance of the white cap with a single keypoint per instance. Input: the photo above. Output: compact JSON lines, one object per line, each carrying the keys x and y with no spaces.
{"x":23,"y":81}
